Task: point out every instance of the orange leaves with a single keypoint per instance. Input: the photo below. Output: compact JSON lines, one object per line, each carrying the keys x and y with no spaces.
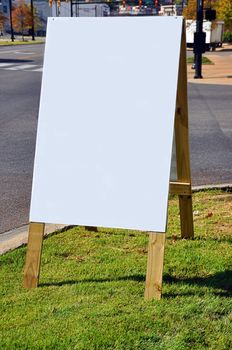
{"x":3,"y":19}
{"x":22,"y":17}
{"x":191,"y":9}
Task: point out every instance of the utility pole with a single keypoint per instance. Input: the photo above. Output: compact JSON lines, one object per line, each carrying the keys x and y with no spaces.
{"x":32,"y":21}
{"x":71,"y":7}
{"x":199,"y":40}
{"x":11,"y":24}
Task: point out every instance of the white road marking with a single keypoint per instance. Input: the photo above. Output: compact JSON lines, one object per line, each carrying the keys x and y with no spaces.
{"x":22,"y":66}
{"x":5,"y":64}
{"x":37,"y":70}
{"x":24,"y":53}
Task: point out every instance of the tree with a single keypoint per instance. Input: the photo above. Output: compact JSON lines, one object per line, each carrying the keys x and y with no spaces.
{"x":224,"y":12}
{"x":21,"y":18}
{"x":190,"y":10}
{"x":3,"y":19}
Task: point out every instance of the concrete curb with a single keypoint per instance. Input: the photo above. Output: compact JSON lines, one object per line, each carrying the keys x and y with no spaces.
{"x":212,"y":187}
{"x":19,"y":236}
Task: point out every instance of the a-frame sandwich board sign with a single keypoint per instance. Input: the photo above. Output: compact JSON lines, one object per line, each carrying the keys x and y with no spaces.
{"x":103,"y":164}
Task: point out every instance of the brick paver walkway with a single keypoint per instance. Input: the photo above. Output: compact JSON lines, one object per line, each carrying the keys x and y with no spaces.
{"x":218,"y":73}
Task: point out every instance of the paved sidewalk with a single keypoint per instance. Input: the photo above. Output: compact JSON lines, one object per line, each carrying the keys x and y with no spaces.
{"x":15,"y":238}
{"x":218,"y":73}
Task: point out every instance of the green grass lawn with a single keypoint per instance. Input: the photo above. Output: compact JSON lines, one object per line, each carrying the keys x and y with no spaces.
{"x":205,"y":60}
{"x":20,"y":42}
{"x":92,"y":285}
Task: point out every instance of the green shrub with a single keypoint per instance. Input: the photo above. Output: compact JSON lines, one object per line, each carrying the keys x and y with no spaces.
{"x":227,"y":38}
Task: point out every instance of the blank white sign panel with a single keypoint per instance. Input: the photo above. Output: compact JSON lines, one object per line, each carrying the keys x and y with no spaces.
{"x":106,"y":119}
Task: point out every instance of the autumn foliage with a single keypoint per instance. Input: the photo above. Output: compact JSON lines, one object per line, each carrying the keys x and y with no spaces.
{"x":190,"y":11}
{"x":22,"y":18}
{"x":3,"y":19}
{"x":224,"y":12}
{"x":223,"y":8}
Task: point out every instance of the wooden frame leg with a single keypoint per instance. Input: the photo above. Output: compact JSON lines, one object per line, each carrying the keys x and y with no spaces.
{"x":182,"y":145}
{"x":186,"y":217}
{"x":155,"y":262}
{"x":33,"y":257}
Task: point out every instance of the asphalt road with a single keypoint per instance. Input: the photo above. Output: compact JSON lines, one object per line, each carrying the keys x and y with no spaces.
{"x":19,"y":100}
{"x":210,"y":119}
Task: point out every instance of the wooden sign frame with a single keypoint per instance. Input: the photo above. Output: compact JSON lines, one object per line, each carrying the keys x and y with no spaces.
{"x":182,"y":187}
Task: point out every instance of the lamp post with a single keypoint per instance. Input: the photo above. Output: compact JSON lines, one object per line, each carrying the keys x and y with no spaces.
{"x":11,"y":24}
{"x":32,"y":21}
{"x":199,"y":40}
{"x":71,"y":7}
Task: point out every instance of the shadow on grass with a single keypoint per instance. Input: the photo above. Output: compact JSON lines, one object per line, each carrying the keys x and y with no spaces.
{"x":222,"y":239}
{"x":138,"y":278}
{"x":221,"y":280}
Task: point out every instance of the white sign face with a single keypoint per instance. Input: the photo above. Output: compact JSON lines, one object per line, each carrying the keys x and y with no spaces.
{"x":106,"y":120}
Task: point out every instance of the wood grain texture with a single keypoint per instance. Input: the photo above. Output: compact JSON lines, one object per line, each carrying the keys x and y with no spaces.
{"x":182,"y":144}
{"x":33,"y":257}
{"x":186,"y":217}
{"x":155,"y":261}
{"x":180,"y":188}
